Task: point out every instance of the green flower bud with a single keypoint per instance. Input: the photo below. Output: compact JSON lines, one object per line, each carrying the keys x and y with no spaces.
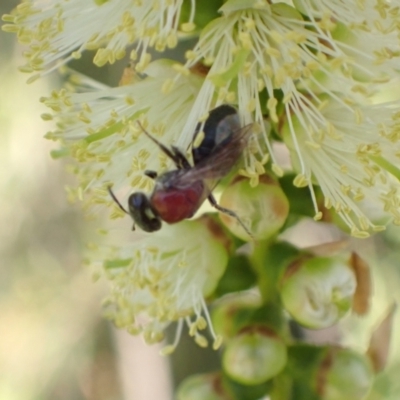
{"x":254,"y":356}
{"x":202,"y":387}
{"x":234,"y":312}
{"x":263,"y":208}
{"x":318,"y":291}
{"x":344,"y":375}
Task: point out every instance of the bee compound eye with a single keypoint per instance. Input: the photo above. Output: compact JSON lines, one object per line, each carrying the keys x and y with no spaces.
{"x":143,"y":213}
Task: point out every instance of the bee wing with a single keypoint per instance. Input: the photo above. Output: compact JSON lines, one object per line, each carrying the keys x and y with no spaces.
{"x":220,"y":161}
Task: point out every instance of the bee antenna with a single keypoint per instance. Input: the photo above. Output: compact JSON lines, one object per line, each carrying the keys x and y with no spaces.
{"x":168,"y":152}
{"x":116,"y":200}
{"x":150,"y":137}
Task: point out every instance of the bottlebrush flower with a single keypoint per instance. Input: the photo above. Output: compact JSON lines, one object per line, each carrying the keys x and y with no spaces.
{"x":58,"y":31}
{"x":164,"y":277}
{"x":352,"y":155}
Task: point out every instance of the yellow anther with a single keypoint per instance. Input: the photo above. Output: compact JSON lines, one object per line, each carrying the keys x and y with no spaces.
{"x":188,"y":27}
{"x":300,"y":181}
{"x":318,"y":216}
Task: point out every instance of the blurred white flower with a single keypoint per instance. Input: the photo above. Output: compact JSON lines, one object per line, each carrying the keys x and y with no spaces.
{"x":164,"y":277}
{"x":353,"y":157}
{"x":58,"y":31}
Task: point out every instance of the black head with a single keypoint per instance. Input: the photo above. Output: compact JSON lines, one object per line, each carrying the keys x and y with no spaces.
{"x":143,"y":213}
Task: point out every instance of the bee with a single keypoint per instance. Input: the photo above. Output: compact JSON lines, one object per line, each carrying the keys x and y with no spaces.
{"x":179,"y":193}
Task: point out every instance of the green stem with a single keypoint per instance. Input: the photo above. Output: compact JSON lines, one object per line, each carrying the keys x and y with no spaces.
{"x":269,"y":262}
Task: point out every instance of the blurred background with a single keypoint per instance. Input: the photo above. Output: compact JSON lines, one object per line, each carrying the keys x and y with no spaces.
{"x":54,"y":343}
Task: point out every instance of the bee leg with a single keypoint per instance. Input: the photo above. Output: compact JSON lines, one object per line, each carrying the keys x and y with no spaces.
{"x":229,"y":212}
{"x":151,"y":174}
{"x":183,"y":161}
